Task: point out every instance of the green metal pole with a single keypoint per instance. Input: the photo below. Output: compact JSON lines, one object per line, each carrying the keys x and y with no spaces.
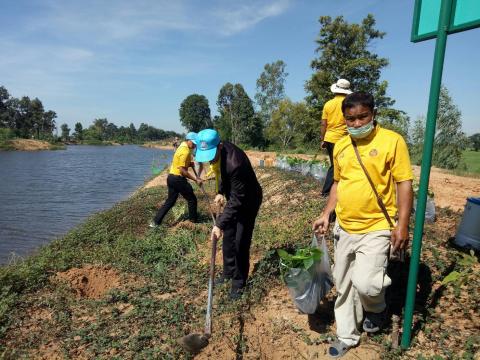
{"x":425,"y":172}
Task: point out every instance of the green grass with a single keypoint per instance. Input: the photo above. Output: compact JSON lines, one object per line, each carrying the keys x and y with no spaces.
{"x":472,"y":159}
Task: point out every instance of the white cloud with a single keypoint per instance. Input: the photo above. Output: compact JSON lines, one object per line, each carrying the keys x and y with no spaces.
{"x":118,"y":20}
{"x":112,"y":19}
{"x":242,"y":16}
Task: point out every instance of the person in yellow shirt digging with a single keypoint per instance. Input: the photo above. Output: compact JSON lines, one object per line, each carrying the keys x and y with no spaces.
{"x":372,"y":185}
{"x":333,"y":126}
{"x":177,"y":181}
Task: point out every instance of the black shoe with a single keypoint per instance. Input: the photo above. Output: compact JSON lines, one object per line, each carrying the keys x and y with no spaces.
{"x":374,"y":322}
{"x":222,"y":279}
{"x":236,"y":293}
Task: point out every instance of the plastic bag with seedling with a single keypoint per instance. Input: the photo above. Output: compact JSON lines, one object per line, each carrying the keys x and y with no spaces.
{"x":281,"y":162}
{"x":429,"y":206}
{"x":295,"y":164}
{"x":319,"y":169}
{"x":305,"y":168}
{"x":307,"y":275}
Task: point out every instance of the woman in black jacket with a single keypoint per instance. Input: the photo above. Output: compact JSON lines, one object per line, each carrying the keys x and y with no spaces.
{"x":239,"y":184}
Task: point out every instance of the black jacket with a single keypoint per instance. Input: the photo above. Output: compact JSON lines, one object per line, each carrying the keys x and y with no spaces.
{"x":239,"y":185}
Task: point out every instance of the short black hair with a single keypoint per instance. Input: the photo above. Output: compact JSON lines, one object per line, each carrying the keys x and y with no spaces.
{"x":358,"y":98}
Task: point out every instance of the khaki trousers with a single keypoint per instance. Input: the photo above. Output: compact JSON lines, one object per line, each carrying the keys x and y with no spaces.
{"x":359,"y":272}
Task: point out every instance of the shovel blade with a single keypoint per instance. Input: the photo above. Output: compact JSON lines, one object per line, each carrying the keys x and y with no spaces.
{"x":193,"y":343}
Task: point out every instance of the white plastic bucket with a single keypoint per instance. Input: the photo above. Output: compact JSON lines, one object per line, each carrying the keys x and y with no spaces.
{"x":468,"y":232}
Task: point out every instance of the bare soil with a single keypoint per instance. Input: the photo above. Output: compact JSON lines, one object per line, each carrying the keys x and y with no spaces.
{"x":90,"y":282}
{"x":451,"y":190}
{"x":158,"y":146}
{"x":29,"y":144}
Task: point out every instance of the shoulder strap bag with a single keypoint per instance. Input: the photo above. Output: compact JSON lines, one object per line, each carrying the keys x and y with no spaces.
{"x":398,"y":255}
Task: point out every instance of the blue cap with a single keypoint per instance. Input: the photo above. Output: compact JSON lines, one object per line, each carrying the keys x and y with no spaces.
{"x":207,"y":141}
{"x":192,"y":136}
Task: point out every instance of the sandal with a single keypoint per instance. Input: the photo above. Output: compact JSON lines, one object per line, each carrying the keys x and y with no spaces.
{"x":374,"y":322}
{"x":337,"y":349}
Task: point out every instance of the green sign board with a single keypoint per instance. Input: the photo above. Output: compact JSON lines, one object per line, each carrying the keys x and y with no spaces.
{"x":465,"y":16}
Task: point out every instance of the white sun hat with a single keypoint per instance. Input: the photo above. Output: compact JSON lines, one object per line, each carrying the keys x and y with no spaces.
{"x":342,"y":86}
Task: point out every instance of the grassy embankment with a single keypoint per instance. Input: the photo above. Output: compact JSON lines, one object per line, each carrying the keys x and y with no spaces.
{"x":158,"y":278}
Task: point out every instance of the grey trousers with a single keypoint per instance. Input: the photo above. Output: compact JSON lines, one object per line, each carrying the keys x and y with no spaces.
{"x":360,"y":275}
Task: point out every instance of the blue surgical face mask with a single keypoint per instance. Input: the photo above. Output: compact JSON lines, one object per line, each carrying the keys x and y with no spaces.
{"x":362,"y":131}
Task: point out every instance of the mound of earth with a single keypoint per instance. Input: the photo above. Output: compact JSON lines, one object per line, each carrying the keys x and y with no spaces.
{"x":29,"y":144}
{"x":90,"y":281}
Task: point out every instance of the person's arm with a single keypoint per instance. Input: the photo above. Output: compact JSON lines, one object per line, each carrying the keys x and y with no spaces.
{"x":321,"y":224}
{"x":399,"y":237}
{"x":184,"y":171}
{"x":323,"y":130}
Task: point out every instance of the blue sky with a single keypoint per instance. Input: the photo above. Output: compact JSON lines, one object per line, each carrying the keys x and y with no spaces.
{"x":135,"y":61}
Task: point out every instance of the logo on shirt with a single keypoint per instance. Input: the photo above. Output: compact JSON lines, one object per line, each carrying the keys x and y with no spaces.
{"x":373,"y":152}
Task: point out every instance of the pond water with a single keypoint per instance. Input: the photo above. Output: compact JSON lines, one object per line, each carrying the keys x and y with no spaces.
{"x":44,"y":194}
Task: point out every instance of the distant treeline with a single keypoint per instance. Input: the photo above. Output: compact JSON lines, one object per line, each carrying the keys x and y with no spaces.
{"x":27,"y":118}
{"x":102,"y":130}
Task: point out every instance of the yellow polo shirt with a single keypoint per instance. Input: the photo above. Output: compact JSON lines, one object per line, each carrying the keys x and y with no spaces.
{"x":332,"y":112}
{"x":385,"y":156}
{"x":181,"y":158}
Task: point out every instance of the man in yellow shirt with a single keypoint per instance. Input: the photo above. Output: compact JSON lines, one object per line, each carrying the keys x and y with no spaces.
{"x":333,"y":126}
{"x":362,"y":233}
{"x":177,"y":181}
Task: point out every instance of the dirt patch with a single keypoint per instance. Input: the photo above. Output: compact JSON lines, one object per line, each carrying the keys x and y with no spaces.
{"x":158,"y":146}
{"x":160,"y":180}
{"x":29,"y":144}
{"x":276,"y":330}
{"x":451,"y":190}
{"x":90,"y":281}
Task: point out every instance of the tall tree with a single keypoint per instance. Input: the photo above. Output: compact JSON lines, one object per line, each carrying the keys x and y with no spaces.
{"x":270,"y":89}
{"x":131,"y":133}
{"x":288,"y":124}
{"x":78,"y":134}
{"x":99,"y":128}
{"x":344,"y":53}
{"x":195,"y":113}
{"x":48,"y":123}
{"x":450,"y":140}
{"x":24,"y":123}
{"x":65,"y":132}
{"x":236,"y":114}
{"x":4,"y":108}
{"x":417,"y":138}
